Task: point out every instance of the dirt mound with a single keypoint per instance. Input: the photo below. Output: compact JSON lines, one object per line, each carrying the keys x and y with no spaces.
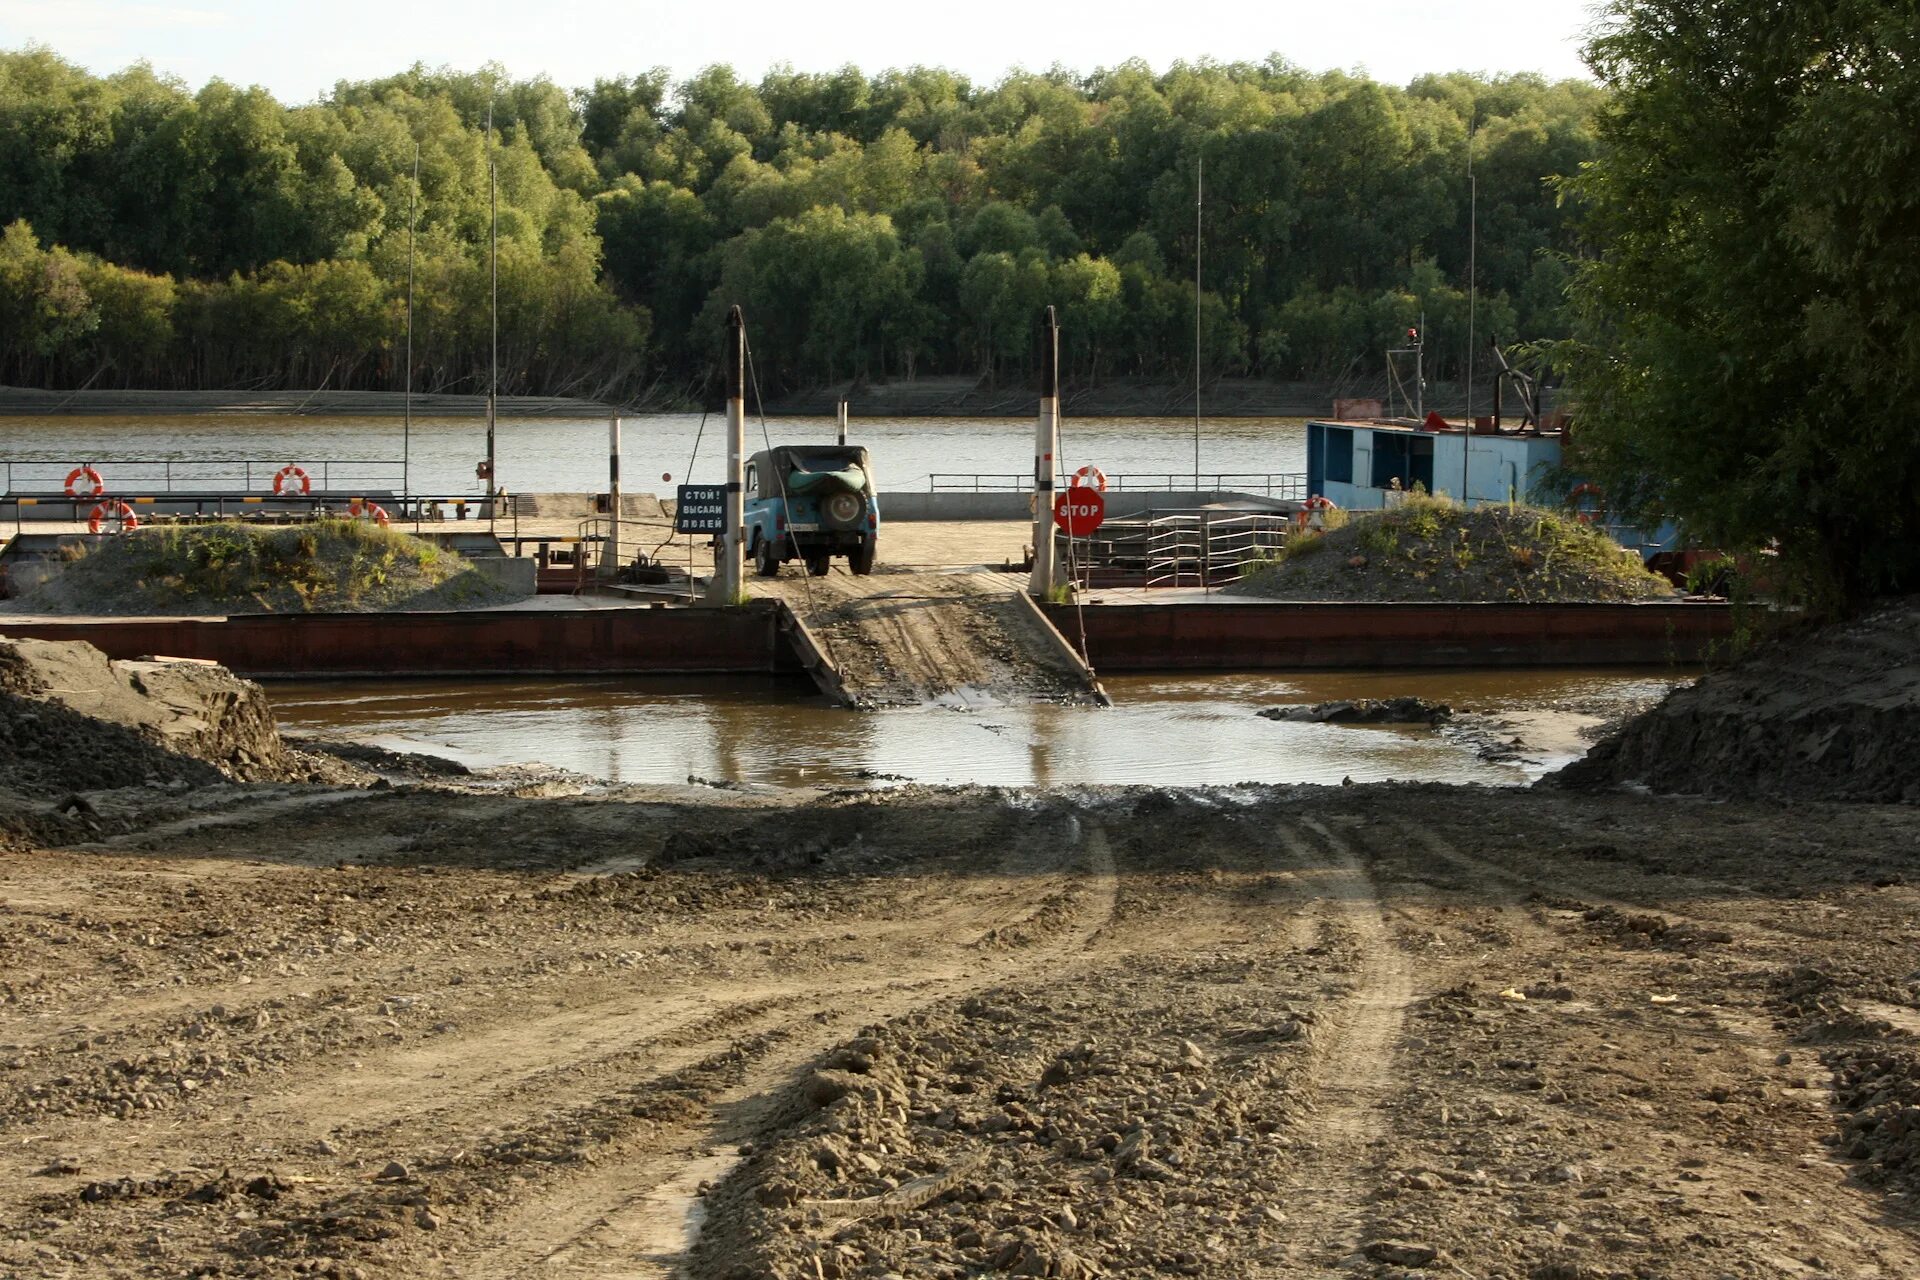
{"x":1430,"y":549}
{"x":1828,"y":714}
{"x":70,"y":720}
{"x":329,"y":566}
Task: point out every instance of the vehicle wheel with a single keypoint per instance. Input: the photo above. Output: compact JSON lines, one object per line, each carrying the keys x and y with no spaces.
{"x":819,"y":563}
{"x":860,"y":559}
{"x":766,"y":562}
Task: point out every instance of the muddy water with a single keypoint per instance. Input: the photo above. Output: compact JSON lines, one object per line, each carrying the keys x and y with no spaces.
{"x":1164,"y":730}
{"x":548,"y":455}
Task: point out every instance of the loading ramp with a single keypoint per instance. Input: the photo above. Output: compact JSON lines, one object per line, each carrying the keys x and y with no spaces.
{"x":912,"y":639}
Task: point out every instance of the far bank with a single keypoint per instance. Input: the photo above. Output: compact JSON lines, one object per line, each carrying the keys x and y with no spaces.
{"x":944,"y":397}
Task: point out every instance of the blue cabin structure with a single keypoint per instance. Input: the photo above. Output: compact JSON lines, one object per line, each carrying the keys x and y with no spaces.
{"x":1364,"y":465}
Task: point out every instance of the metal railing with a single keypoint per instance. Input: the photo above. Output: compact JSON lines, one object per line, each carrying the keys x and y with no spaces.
{"x":168,"y":475}
{"x":1179,"y":549}
{"x":190,"y":508}
{"x":1283,"y":485}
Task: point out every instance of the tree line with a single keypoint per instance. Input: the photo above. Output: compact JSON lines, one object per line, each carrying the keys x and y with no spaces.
{"x":885,"y":226}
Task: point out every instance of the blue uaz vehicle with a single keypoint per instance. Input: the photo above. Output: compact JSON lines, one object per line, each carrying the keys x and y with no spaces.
{"x":811,"y":503}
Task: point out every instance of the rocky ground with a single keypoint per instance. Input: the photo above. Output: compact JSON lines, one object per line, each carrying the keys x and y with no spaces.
{"x":450,"y":1028}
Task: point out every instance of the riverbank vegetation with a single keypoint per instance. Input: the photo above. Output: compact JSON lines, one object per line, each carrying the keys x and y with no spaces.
{"x":1429,"y":548}
{"x":882,"y":226}
{"x":327,"y":566}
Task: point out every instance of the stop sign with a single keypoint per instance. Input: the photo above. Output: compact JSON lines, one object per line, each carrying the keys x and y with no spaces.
{"x":1079,"y":510}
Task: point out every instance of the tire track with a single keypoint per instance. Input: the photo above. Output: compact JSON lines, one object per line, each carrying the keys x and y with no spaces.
{"x":1351,"y":1080}
{"x":634,"y":1218}
{"x":1814,"y":1202}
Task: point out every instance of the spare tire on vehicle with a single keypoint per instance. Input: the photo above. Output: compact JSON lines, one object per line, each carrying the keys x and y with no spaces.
{"x":842,"y":510}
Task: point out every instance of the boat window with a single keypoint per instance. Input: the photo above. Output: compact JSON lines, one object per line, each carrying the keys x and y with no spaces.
{"x":1339,"y":455}
{"x":1390,"y":461}
{"x":1420,"y":463}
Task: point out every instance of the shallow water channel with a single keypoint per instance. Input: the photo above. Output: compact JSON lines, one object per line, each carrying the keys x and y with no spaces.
{"x":1166,"y":730}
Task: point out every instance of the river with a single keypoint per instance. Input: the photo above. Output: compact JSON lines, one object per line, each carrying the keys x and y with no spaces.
{"x":569,"y":455}
{"x":1169,"y":730}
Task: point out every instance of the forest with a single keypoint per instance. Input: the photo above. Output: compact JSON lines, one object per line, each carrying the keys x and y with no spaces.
{"x":884,"y":226}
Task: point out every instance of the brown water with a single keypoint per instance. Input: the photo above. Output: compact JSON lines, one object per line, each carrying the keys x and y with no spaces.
{"x":561,"y":455}
{"x":1167,"y":730}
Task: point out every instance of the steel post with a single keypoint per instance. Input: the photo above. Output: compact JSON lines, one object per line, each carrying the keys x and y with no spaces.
{"x":610,"y":566}
{"x":1046,"y":444}
{"x":727,"y":585}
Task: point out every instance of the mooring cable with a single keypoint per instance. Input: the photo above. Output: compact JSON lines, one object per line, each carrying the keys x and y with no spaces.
{"x":1073,"y":569}
{"x":691,"y":459}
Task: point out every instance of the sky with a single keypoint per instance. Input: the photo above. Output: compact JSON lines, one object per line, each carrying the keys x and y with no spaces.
{"x":298,"y":50}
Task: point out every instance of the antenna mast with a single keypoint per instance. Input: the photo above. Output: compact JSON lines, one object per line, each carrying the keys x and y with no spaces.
{"x":1199,"y":199}
{"x":493,"y":302}
{"x":406,"y":430}
{"x":1473,"y":295}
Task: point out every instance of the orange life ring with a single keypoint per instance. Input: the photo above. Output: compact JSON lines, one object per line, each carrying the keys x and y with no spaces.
{"x":1090,"y":477}
{"x":1317,"y":505}
{"x":1587,"y":515}
{"x":365,"y":509}
{"x":85,"y":471}
{"x":118,"y":513}
{"x":291,"y":472}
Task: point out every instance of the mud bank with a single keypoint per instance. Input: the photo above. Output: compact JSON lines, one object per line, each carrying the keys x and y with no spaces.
{"x":70,"y":719}
{"x":1828,"y":713}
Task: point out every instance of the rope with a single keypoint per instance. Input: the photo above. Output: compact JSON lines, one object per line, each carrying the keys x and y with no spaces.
{"x":691,"y":459}
{"x":1073,"y":568}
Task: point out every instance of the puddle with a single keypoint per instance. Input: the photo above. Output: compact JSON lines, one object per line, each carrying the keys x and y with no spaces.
{"x":1168,"y":730}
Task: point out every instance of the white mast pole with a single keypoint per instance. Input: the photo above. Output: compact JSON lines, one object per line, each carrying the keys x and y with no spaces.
{"x":1473,"y":287}
{"x":493,"y":311}
{"x":406,"y":429}
{"x":1046,"y":446}
{"x":1199,"y":199}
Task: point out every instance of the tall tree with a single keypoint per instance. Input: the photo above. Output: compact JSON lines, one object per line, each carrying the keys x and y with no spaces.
{"x":1751,"y":325}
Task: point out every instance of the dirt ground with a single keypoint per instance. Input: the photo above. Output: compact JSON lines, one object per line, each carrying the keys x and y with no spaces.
{"x":906,"y":546}
{"x":457,"y":1027}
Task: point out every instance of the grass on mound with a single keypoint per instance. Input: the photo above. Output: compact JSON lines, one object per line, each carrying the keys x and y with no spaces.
{"x":321,"y":567}
{"x":1432,"y":549}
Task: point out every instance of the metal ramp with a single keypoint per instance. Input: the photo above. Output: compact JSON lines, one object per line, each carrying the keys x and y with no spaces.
{"x":915,"y":639}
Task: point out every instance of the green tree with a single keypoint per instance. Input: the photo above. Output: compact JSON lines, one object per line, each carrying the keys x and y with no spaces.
{"x":1326,"y":195}
{"x":1750,"y":333}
